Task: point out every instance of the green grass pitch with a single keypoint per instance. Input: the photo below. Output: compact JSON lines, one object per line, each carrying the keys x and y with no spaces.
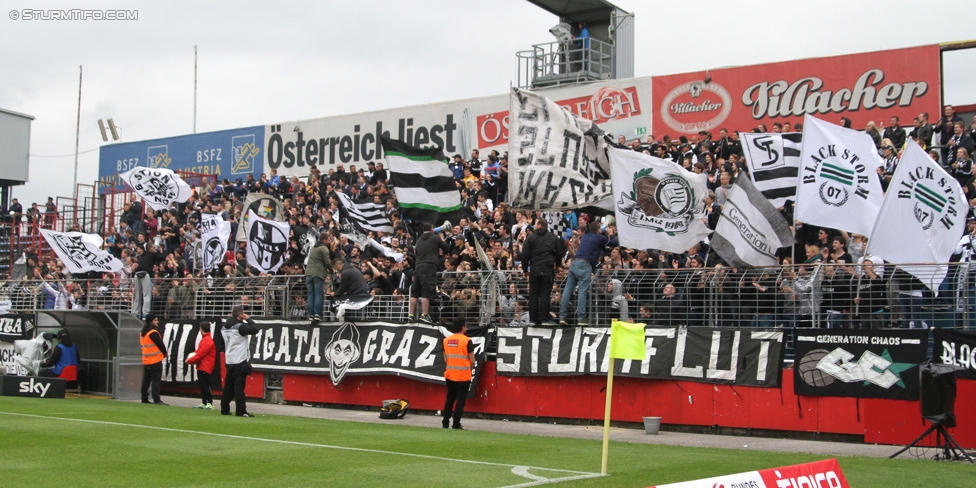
{"x":90,"y":442}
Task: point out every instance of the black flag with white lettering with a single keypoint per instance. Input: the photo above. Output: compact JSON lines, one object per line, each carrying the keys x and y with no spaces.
{"x":863,"y":364}
{"x":958,"y":348}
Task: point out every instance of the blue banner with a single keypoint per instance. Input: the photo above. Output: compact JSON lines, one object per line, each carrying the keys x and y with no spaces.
{"x":229,"y":154}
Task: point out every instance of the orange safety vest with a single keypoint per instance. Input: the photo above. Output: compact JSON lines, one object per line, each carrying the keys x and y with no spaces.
{"x":150,"y":352}
{"x":456,"y":352}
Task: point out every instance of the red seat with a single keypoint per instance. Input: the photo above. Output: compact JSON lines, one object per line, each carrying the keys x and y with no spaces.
{"x":70,"y":375}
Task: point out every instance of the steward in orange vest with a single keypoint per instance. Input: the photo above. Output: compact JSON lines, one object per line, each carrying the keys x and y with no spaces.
{"x":153,"y":353}
{"x":459,"y":357}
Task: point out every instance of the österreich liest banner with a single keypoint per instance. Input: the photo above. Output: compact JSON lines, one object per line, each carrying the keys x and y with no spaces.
{"x":956,"y":347}
{"x":863,"y":364}
{"x":862,"y":87}
{"x":817,"y":474}
{"x":340,"y":350}
{"x":751,"y":357}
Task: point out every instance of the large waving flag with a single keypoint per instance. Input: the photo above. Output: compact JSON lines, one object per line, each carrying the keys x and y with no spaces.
{"x":264,"y":206}
{"x":81,"y":252}
{"x":159,"y":187}
{"x":366,"y":215}
{"x":214,"y":236}
{"x":267,"y":243}
{"x":660,"y":205}
{"x":922,"y":218}
{"x":838,"y":185}
{"x":424,"y":184}
{"x":774,"y":162}
{"x":750,"y":229}
{"x":556,"y":161}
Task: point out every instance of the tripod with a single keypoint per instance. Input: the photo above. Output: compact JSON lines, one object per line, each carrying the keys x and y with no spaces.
{"x":951,"y":450}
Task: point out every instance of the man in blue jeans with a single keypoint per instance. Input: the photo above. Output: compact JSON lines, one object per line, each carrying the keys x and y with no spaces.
{"x":318,"y":269}
{"x":580,"y":273}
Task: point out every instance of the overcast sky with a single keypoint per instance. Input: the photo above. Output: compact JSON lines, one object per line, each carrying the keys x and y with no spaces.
{"x":263,"y":62}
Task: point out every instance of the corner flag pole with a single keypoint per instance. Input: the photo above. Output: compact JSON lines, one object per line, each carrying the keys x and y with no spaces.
{"x":606,"y":420}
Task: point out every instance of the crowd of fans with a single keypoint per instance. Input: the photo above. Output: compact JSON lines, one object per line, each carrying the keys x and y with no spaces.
{"x":692,"y":287}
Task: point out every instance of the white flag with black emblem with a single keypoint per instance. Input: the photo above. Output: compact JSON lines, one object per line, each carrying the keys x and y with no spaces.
{"x":838,"y":185}
{"x":267,"y":243}
{"x":922,"y":218}
{"x":159,"y":187}
{"x":774,"y":162}
{"x":214,"y":235}
{"x":658,"y":204}
{"x":81,"y":252}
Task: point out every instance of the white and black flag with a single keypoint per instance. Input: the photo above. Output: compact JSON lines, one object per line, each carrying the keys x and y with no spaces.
{"x":81,"y":252}
{"x":214,"y":236}
{"x":267,"y":243}
{"x":557,"y":158}
{"x":750,"y":229}
{"x":774,"y":163}
{"x":368,"y":216}
{"x":557,"y":222}
{"x":159,"y":187}
{"x":264,"y":206}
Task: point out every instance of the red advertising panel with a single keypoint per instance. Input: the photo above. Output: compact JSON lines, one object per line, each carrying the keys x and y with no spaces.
{"x":862,"y":87}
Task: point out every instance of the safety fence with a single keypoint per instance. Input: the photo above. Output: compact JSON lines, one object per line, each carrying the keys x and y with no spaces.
{"x":825,"y":296}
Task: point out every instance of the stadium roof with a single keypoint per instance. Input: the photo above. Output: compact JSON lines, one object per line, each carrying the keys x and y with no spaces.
{"x":579,"y":10}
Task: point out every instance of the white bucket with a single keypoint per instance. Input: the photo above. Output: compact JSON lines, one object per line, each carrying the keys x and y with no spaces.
{"x":652,"y":425}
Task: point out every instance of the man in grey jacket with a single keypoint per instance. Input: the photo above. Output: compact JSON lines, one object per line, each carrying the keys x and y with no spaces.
{"x":237,"y":350}
{"x":317,"y":271}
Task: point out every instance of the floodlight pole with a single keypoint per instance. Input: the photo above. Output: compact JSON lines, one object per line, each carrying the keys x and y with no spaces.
{"x":77,"y":138}
{"x":194,"y":89}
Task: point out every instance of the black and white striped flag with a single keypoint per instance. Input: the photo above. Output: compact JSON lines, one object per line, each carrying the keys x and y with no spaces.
{"x":367,"y":215}
{"x":774,"y":162}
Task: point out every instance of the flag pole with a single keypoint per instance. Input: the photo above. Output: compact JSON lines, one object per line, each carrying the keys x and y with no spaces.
{"x":606,"y":420}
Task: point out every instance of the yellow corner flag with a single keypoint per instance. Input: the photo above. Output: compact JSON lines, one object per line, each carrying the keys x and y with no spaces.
{"x":627,"y":340}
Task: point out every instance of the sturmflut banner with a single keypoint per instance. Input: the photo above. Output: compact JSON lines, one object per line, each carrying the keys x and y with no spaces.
{"x":752,"y":357}
{"x":956,"y":347}
{"x":863,"y":364}
{"x":340,"y":350}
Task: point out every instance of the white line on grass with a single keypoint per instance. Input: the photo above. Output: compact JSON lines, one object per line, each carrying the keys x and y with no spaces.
{"x":519,"y":470}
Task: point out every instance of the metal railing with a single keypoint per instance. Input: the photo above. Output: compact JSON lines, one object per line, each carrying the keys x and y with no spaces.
{"x":822,"y":296}
{"x":556,"y":63}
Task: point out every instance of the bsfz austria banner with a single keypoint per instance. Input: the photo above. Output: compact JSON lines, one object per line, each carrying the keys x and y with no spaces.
{"x":752,"y":357}
{"x":863,"y":364}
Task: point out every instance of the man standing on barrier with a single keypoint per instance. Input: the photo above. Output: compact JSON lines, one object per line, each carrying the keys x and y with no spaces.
{"x":540,"y":253}
{"x":587,"y":256}
{"x":237,"y":350}
{"x":142,"y":280}
{"x":317,"y":271}
{"x":459,"y":358}
{"x":428,"y":260}
{"x":153,"y":354}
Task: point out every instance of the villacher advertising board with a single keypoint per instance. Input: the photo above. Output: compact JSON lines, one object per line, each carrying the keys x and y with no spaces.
{"x":862,"y":87}
{"x":863,"y":364}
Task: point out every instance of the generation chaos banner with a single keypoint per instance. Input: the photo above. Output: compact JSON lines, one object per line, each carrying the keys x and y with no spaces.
{"x":862,"y":87}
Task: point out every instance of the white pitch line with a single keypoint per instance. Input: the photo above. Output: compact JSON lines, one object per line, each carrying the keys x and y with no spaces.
{"x":517,"y":469}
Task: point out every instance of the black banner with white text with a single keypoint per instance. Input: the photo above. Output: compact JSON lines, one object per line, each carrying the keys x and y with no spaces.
{"x":863,"y":364}
{"x":752,"y":357}
{"x":958,"y":348}
{"x":339,"y":350}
